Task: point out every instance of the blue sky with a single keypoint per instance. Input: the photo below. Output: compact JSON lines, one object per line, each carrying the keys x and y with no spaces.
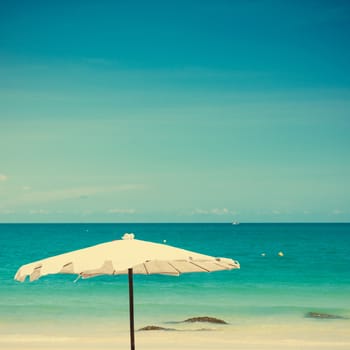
{"x":174,"y":111}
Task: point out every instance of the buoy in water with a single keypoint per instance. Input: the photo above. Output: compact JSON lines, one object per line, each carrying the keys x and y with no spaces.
{"x":280,"y":254}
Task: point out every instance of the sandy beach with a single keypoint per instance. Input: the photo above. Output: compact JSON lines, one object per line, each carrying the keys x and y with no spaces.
{"x":317,"y":335}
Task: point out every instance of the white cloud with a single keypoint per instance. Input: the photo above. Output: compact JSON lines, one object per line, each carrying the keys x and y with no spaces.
{"x":214,"y":211}
{"x":217,"y":211}
{"x":38,"y":212}
{"x":200,"y":211}
{"x":3,"y":177}
{"x":337,"y":212}
{"x":121,"y":211}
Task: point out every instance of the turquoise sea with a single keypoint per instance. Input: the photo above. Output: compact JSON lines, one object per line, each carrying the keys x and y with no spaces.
{"x":313,"y":275}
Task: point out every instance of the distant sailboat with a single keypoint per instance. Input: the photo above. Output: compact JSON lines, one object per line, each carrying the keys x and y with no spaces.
{"x":235,"y":223}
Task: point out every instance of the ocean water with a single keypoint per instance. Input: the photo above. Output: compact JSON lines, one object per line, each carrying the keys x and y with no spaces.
{"x":313,"y":275}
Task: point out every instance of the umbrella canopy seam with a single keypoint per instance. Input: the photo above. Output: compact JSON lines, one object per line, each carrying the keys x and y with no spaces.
{"x":204,"y":269}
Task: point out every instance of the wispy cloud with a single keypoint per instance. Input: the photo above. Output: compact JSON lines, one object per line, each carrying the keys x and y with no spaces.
{"x":7,"y":212}
{"x":213,"y":211}
{"x":38,"y":212}
{"x":218,"y":211}
{"x":121,"y":211}
{"x":337,"y":212}
{"x":200,"y":211}
{"x":56,"y":195}
{"x":3,"y":177}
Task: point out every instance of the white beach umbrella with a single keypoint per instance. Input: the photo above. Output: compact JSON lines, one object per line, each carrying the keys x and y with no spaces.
{"x":125,"y":256}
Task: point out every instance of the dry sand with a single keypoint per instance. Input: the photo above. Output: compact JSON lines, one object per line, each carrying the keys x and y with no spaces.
{"x":324,"y":335}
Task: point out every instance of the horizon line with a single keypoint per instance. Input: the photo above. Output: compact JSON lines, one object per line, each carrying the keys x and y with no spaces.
{"x":174,"y":223}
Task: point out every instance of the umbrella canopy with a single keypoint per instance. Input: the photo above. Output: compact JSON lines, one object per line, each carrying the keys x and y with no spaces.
{"x":125,"y":256}
{"x":116,"y":257}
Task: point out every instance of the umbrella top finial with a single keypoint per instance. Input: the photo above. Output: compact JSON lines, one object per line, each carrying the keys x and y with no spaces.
{"x":128,"y":236}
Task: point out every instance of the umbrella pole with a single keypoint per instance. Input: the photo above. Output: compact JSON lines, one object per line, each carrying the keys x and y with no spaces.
{"x":131,"y":309}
